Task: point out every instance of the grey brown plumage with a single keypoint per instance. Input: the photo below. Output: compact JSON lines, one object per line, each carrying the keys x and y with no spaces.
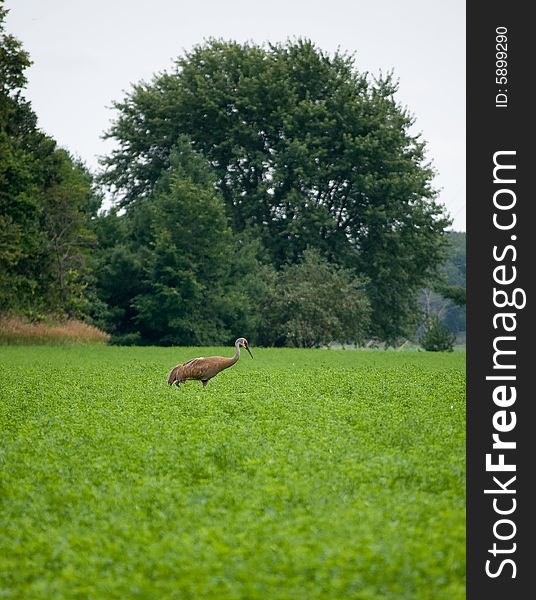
{"x":204,"y":369}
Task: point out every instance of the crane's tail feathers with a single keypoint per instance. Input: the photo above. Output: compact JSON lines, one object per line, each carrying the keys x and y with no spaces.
{"x":172,"y":377}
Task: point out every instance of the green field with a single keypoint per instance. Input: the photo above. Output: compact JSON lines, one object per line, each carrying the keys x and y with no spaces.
{"x":301,"y":474}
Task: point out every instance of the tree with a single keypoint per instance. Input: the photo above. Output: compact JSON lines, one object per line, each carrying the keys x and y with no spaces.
{"x":436,"y":336}
{"x":457,"y":295}
{"x":183,"y":273}
{"x":313,"y":302}
{"x":446,"y":295}
{"x":17,"y":206}
{"x":176,"y":274}
{"x":454,"y":269}
{"x":69,"y":205}
{"x":306,"y":151}
{"x":452,"y":280}
{"x":47,"y":204}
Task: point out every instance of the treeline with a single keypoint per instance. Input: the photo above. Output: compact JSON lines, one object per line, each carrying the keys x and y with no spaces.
{"x":268,"y":191}
{"x":449,"y":298}
{"x":47,"y":206}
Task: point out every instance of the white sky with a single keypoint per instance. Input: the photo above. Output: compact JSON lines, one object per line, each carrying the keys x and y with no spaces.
{"x":86,"y":54}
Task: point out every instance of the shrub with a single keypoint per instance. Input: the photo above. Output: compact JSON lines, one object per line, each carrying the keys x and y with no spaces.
{"x":436,"y":336}
{"x":315,"y":302}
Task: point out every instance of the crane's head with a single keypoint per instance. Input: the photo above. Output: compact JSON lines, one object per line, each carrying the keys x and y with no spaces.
{"x":245,"y":343}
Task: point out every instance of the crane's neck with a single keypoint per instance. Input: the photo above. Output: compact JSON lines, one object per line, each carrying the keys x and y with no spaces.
{"x":237,"y":353}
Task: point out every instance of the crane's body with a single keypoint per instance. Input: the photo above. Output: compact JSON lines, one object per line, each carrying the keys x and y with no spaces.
{"x":203,"y":369}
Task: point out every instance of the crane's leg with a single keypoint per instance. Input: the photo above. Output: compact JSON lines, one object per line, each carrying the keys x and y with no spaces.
{"x":205,"y":382}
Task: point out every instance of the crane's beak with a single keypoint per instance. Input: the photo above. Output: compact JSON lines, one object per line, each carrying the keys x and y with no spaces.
{"x":247,"y":348}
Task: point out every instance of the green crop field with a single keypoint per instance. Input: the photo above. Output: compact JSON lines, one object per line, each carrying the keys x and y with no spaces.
{"x":301,"y":474}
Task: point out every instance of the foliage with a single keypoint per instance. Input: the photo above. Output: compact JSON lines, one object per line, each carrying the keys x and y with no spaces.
{"x":229,"y":171}
{"x":446,"y":295}
{"x":46,"y":204}
{"x":184,"y":271}
{"x":176,"y":274}
{"x":436,"y":336}
{"x":17,"y":225}
{"x":454,"y":270}
{"x":304,"y":474}
{"x":306,"y":151}
{"x":454,"y":274}
{"x":458,"y":295}
{"x":313,"y":303}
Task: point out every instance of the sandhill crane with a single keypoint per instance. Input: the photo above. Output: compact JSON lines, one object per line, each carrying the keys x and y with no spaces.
{"x":204,"y":369}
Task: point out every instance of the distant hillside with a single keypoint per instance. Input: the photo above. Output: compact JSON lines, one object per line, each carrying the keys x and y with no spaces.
{"x":455,"y":267}
{"x":455,"y":272}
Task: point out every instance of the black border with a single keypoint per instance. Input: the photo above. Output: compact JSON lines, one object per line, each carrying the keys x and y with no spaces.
{"x":491,"y":129}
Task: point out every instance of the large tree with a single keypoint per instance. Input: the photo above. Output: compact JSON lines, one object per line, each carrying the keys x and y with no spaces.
{"x":170,"y":268}
{"x":307,"y":152}
{"x":17,"y":206}
{"x":46,"y":204}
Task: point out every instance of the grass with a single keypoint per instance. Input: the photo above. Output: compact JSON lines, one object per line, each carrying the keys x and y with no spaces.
{"x":14,"y":331}
{"x":301,"y":474}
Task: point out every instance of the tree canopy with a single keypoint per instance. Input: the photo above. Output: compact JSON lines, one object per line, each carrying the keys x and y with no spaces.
{"x":306,"y":152}
{"x":46,"y":204}
{"x":272,"y":191}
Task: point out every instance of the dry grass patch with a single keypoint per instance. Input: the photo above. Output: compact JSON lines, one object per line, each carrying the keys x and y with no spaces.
{"x":15,"y":331}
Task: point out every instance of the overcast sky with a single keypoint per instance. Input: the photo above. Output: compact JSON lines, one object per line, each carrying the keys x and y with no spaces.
{"x":86,"y":54}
